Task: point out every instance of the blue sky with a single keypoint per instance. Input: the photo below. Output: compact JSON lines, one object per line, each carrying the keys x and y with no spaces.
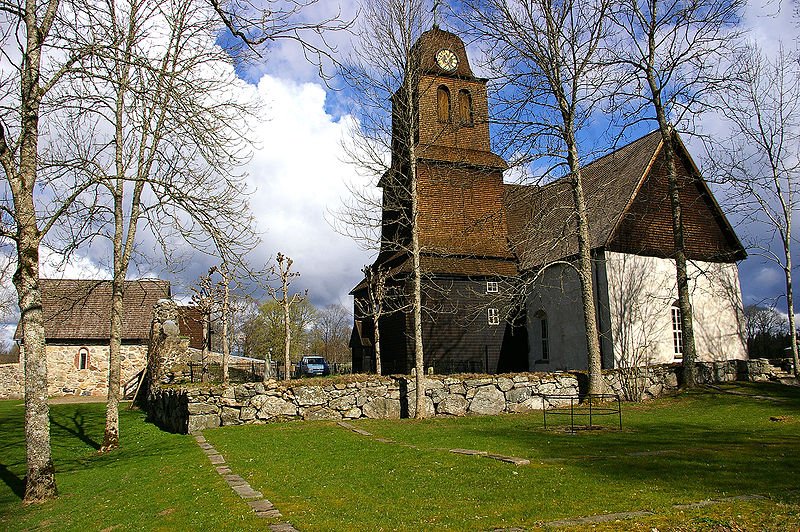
{"x":298,"y":174}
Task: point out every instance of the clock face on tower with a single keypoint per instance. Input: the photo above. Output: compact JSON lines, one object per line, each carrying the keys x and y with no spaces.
{"x":446,"y":60}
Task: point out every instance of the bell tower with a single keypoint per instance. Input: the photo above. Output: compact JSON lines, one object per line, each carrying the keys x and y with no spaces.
{"x":465,"y":259}
{"x":460,"y":180}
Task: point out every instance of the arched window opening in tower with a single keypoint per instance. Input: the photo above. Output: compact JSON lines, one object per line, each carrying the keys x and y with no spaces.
{"x":443,"y":104}
{"x":465,"y":108}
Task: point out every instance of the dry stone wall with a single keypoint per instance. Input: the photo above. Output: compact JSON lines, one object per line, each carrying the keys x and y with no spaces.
{"x":189,"y":409}
{"x":192,"y":408}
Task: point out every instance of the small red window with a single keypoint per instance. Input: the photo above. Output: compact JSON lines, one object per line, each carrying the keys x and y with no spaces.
{"x":82,"y":360}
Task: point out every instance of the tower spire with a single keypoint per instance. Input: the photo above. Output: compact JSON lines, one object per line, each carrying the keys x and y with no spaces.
{"x":436,"y":6}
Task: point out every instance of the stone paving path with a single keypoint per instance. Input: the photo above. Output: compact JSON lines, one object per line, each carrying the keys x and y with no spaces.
{"x":255,"y":499}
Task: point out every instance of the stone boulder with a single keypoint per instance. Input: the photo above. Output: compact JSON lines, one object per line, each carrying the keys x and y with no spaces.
{"x":488,"y":400}
{"x":430,"y":410}
{"x":270,"y":406}
{"x":202,"y":422}
{"x":382,"y":408}
{"x":452,"y":405}
{"x":309,"y":395}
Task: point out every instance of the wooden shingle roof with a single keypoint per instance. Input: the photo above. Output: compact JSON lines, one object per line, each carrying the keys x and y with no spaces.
{"x":541,"y":219}
{"x":81,"y":309}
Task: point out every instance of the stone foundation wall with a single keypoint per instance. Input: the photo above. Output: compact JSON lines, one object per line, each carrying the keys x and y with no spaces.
{"x":188,"y":409}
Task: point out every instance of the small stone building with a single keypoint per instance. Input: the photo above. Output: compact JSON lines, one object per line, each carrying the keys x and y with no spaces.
{"x":77,"y":328}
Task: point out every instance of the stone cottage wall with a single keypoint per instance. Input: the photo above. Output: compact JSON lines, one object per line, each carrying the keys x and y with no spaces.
{"x":64,"y":377}
{"x":191,"y":408}
{"x":12,"y":381}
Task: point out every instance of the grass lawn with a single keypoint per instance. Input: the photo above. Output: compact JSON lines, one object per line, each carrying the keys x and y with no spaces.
{"x":687,"y":449}
{"x":679,"y":450}
{"x":157,"y":481}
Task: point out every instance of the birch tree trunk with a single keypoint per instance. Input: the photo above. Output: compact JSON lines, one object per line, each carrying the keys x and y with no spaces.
{"x":40,"y":482}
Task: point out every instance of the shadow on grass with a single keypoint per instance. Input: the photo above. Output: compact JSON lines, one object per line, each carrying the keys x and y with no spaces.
{"x":701,"y":444}
{"x":77,"y":428}
{"x":11,"y":480}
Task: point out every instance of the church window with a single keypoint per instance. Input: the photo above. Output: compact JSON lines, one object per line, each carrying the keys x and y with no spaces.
{"x":494,"y":316}
{"x":492,"y":287}
{"x":443,"y":103}
{"x":465,"y":107}
{"x":677,"y":330}
{"x":83,"y":358}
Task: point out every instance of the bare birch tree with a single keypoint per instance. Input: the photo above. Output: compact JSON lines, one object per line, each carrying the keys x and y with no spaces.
{"x":43,"y":40}
{"x":173,"y":140}
{"x":38,"y":44}
{"x":760,"y":160}
{"x":670,"y":52}
{"x":283,"y":273}
{"x":546,"y":55}
{"x":375,"y":277}
{"x":383,"y":70}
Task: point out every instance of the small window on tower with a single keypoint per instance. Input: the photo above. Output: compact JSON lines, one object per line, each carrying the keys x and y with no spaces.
{"x":492,"y":287}
{"x":466,"y":114}
{"x":494,"y":316}
{"x":443,"y":103}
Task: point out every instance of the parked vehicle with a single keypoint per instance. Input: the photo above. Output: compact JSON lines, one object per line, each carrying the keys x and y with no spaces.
{"x":313,"y":366}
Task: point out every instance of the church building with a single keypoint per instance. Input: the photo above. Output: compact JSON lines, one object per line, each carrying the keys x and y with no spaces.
{"x":498,"y":292}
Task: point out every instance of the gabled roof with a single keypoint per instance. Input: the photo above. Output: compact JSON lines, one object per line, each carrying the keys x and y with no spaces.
{"x":81,"y":309}
{"x":541,"y":219}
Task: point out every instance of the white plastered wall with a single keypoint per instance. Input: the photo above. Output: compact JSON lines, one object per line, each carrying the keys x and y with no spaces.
{"x":642,"y":291}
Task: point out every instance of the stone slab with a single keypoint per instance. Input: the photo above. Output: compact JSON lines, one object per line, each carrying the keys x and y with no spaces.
{"x":216,"y":459}
{"x":246,"y":492}
{"x":597,"y":519}
{"x":234,"y":480}
{"x":282,"y":527}
{"x":205,"y":445}
{"x":261,"y":505}
{"x":200,"y":438}
{"x":509,"y":459}
{"x":470,"y":452}
{"x":223,"y":470}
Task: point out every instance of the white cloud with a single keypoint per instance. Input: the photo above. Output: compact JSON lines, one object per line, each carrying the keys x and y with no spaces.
{"x":299,"y":175}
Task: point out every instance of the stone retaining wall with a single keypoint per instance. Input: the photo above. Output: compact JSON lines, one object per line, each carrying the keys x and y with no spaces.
{"x":188,"y":409}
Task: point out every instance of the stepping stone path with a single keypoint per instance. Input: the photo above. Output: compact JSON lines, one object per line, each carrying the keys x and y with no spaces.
{"x":603,"y":518}
{"x":255,"y":499}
